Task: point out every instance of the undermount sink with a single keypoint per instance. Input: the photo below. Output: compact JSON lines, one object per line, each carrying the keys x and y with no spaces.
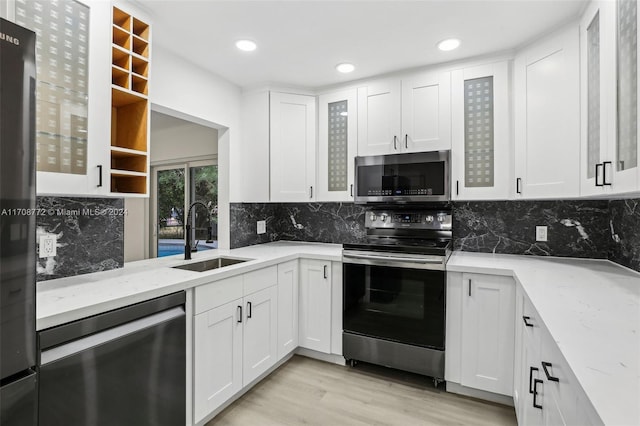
{"x":207,"y":265}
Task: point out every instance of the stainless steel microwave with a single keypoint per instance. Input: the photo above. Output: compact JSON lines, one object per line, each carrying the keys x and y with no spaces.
{"x":402,"y":178}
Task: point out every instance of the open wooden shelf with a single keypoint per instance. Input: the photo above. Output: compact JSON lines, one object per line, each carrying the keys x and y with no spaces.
{"x":121,"y":38}
{"x":140,"y":66}
{"x":128,"y":184}
{"x":141,"y":29}
{"x":129,"y":104}
{"x":121,"y":19}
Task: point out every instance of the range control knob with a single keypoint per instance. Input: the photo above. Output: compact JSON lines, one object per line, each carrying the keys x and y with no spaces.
{"x":373,"y":217}
{"x":383,"y":217}
{"x":428,"y":219}
{"x":441,"y":218}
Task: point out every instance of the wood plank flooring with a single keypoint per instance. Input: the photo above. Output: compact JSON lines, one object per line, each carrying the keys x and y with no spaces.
{"x":310,"y":392}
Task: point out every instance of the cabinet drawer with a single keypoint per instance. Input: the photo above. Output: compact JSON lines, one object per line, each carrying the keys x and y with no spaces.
{"x":531,"y":324}
{"x":554,"y":367}
{"x":218,"y":293}
{"x":260,"y":279}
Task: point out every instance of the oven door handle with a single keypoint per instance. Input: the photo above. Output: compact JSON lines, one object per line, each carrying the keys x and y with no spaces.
{"x":373,"y":259}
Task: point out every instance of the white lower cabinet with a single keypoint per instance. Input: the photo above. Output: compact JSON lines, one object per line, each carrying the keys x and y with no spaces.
{"x":547,"y":391}
{"x":480,"y":331}
{"x":488,"y":309}
{"x":217,"y":357}
{"x":287,"y":308}
{"x":260,"y":335}
{"x":315,"y":305}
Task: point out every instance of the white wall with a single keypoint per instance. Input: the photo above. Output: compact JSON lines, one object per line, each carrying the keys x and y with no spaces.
{"x":176,"y":139}
{"x":136,"y":236}
{"x":181,"y":88}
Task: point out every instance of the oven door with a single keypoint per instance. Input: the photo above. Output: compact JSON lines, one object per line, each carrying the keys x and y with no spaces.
{"x":404,"y":304}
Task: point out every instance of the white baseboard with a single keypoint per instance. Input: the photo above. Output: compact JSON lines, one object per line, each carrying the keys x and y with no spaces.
{"x":480,"y":394}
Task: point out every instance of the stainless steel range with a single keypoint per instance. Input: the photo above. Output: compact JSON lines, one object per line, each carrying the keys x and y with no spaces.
{"x":394,"y":291}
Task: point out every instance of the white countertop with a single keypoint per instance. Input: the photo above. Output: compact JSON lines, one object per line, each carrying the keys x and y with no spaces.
{"x":67,"y":299}
{"x":592,"y":310}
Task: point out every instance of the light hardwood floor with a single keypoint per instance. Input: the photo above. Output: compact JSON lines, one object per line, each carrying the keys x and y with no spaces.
{"x":309,"y":392}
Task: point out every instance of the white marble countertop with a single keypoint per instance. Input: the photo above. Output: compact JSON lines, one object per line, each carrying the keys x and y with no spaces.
{"x":592,"y":310}
{"x":67,"y":299}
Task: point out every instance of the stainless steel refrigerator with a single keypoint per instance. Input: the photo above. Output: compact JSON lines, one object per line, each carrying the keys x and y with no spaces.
{"x":18,"y":378}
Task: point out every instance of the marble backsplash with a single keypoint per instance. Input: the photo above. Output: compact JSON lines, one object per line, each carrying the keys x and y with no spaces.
{"x":89,"y":232}
{"x":579,"y":228}
{"x":319,"y":222}
{"x":624,"y":225}
{"x":575,"y":228}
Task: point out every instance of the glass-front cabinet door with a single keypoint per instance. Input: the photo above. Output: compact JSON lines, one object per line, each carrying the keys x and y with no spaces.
{"x":480,"y":132}
{"x":625,"y":164}
{"x":337,"y":144}
{"x":72,"y":39}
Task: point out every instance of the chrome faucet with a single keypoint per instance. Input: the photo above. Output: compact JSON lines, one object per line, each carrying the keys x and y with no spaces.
{"x":187,"y":237}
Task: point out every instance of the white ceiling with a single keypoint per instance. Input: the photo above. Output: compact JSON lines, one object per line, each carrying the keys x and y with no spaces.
{"x":300,"y":42}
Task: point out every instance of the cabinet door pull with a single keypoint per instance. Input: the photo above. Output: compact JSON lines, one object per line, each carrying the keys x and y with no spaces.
{"x":248,"y":309}
{"x":604,"y":173}
{"x":311,"y":192}
{"x":469,"y":287}
{"x":526,"y":322}
{"x":546,"y":372}
{"x":536,"y":382}
{"x":457,"y":187}
{"x":352,"y":190}
{"x":597,"y":168}
{"x":531,"y":370}
{"x":239,"y":310}
{"x":406,"y":141}
{"x":325,"y":271}
{"x":518,"y":184}
{"x":395,"y":142}
{"x":99,"y":175}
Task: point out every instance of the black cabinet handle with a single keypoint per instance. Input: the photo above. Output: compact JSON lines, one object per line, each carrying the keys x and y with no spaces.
{"x":546,"y":372}
{"x":99,"y":175}
{"x":352,"y":190}
{"x":535,"y":393}
{"x":248,"y":309}
{"x":527,"y":323}
{"x":597,"y":168}
{"x":311,"y":192}
{"x":531,"y":370}
{"x":325,"y":271}
{"x":395,"y":142}
{"x":604,"y":173}
{"x":240,"y":314}
{"x":457,"y":187}
{"x":469,"y":287}
{"x":406,"y":142}
{"x":518,"y":184}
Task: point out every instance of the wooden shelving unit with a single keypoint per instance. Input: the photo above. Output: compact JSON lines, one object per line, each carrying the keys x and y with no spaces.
{"x":129,"y":104}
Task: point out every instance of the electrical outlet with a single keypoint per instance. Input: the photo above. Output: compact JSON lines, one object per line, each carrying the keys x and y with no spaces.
{"x":262,"y":226}
{"x":47,"y":246}
{"x":541,"y":233}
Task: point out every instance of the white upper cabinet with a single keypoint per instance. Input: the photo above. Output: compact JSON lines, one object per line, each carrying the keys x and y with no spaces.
{"x":480,"y":126}
{"x":609,"y":134}
{"x":337,"y":145}
{"x":623,"y":173}
{"x":426,"y":112}
{"x":412,"y":115}
{"x":293,"y":147}
{"x":379,"y":118}
{"x":547,"y":117}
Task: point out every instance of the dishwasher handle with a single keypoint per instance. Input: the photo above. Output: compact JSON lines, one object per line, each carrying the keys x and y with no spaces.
{"x":76,"y":346}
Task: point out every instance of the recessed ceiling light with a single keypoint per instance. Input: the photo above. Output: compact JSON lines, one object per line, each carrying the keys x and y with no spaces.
{"x":449,"y":44}
{"x":345,"y":68}
{"x":246,"y":45}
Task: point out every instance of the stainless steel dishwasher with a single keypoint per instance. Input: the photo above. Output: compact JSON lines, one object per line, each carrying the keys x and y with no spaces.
{"x":120,"y":368}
